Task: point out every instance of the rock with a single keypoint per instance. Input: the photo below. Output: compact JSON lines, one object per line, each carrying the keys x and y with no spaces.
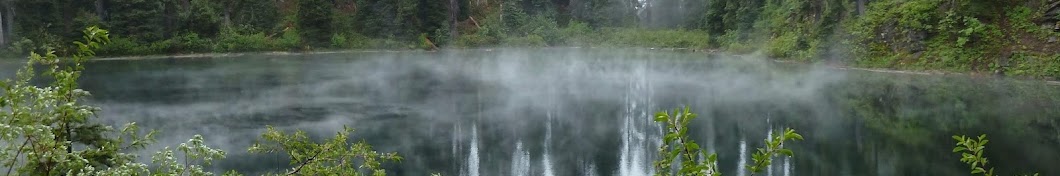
{"x":1051,"y":18}
{"x":1052,"y":39}
{"x":917,"y":41}
{"x":1053,"y":12}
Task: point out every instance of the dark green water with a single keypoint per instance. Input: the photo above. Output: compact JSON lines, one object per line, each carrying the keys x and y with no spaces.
{"x":582,"y":111}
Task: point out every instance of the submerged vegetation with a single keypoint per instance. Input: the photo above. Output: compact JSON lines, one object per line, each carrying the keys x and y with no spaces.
{"x":994,"y":36}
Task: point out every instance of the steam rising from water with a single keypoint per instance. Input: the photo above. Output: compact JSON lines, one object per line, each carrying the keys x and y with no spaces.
{"x":574,"y":111}
{"x":503,"y":98}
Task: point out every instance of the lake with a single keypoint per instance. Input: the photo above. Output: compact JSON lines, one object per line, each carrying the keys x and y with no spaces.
{"x":581,"y":111}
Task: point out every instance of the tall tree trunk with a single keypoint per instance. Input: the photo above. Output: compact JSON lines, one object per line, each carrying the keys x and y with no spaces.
{"x":454,"y":11}
{"x":100,"y":10}
{"x":168,"y":15}
{"x":573,"y":8}
{"x":3,"y":37}
{"x":10,"y":18}
{"x":861,"y":6}
{"x":227,"y":17}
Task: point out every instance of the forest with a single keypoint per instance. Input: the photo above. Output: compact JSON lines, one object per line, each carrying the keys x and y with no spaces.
{"x":1009,"y":37}
{"x":47,"y":128}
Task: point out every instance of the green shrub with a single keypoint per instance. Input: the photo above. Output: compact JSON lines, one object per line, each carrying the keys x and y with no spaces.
{"x":388,"y":43}
{"x":21,"y":47}
{"x":473,"y":40}
{"x":424,"y":42}
{"x":531,"y":40}
{"x":334,"y":156}
{"x":339,"y":41}
{"x":122,"y":46}
{"x":191,"y":42}
{"x":577,"y":33}
{"x":231,"y":41}
{"x":654,"y":38}
{"x":545,"y":28}
{"x":1034,"y":65}
{"x":782,"y":46}
{"x":351,"y":41}
{"x":290,"y":40}
{"x":163,"y":46}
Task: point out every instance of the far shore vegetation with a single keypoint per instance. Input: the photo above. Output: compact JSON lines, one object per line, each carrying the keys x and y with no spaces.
{"x":1004,"y":37}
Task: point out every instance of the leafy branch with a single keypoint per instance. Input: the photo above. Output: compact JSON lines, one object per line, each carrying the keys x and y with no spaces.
{"x":676,"y":145}
{"x":971,"y":150}
{"x":774,"y":146}
{"x":334,"y":156}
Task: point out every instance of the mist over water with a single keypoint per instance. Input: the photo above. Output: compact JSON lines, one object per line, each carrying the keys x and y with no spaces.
{"x":579,"y":111}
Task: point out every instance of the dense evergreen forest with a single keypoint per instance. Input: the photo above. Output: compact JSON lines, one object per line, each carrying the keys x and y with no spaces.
{"x":1013,"y":37}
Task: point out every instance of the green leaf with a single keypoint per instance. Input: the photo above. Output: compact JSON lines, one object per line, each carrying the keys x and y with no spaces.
{"x":786,"y":152}
{"x":978,"y":170}
{"x":692,"y":146}
{"x":660,"y":118}
{"x":790,"y":134}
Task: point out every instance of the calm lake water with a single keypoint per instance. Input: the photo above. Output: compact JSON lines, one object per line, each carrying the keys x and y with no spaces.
{"x":581,"y":111}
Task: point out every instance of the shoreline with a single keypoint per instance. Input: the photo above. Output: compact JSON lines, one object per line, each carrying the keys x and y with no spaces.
{"x":704,"y":51}
{"x":267,"y":53}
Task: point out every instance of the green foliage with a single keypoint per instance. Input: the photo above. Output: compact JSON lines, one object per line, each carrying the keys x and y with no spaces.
{"x":139,"y":20}
{"x":774,"y":146}
{"x":191,"y":42}
{"x":531,"y":40}
{"x":971,"y":150}
{"x":972,"y":153}
{"x":194,"y":151}
{"x":46,"y":131}
{"x":676,"y":145}
{"x":20,"y":47}
{"x":232,"y":41}
{"x":784,"y":45}
{"x":124,"y":46}
{"x":402,"y":20}
{"x":604,"y":13}
{"x":654,"y":38}
{"x":1035,"y":66}
{"x":314,"y":20}
{"x":577,"y":33}
{"x":957,"y":35}
{"x":41,"y":125}
{"x":339,"y":41}
{"x":334,"y":156}
{"x":290,"y":40}
{"x":473,"y":40}
{"x":253,"y":14}
{"x":733,"y":41}
{"x":696,"y":161}
{"x":201,"y":17}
